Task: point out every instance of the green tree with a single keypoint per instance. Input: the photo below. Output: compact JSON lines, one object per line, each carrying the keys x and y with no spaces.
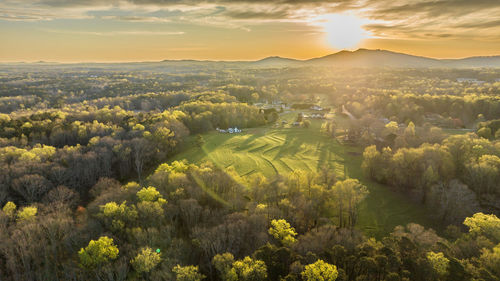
{"x":249,"y":269}
{"x":116,"y":216}
{"x":484,"y":132}
{"x":371,"y":161}
{"x":9,"y":209}
{"x":320,"y":271}
{"x":439,"y":263}
{"x":349,"y":193}
{"x":98,"y":252}
{"x":223,"y":263}
{"x":148,"y":194}
{"x":282,"y":231}
{"x":200,"y":141}
{"x":491,"y":259}
{"x":484,"y":174}
{"x":482,"y":224}
{"x":146,"y":260}
{"x":391,"y":128}
{"x":255,"y":97}
{"x":27,"y":213}
{"x":187,"y":273}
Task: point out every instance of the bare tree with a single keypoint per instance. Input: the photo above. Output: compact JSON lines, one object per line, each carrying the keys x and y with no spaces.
{"x":31,"y":187}
{"x":140,"y":150}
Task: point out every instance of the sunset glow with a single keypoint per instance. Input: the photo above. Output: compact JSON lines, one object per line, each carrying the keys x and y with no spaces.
{"x":343,"y":31}
{"x":153,"y":30}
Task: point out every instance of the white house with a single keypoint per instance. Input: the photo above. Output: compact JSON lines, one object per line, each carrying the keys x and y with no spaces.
{"x":469,"y":80}
{"x":229,"y":130}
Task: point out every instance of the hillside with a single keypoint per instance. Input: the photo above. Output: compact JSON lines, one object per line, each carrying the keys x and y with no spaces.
{"x":374,"y":58}
{"x":383,"y":58}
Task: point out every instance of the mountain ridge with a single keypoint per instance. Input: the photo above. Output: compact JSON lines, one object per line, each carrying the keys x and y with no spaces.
{"x":343,"y":58}
{"x":386,"y":58}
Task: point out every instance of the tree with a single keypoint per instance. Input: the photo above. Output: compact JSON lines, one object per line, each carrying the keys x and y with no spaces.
{"x":223,"y":263}
{"x":187,"y":273}
{"x":148,"y":194}
{"x":27,"y":214}
{"x":482,"y":224}
{"x":454,"y":201}
{"x":146,"y":260}
{"x":484,"y":132}
{"x":273,"y":117}
{"x":320,"y":271}
{"x":283,"y":232}
{"x":249,"y":269}
{"x":31,"y":187}
{"x":62,"y":194}
{"x":349,"y":193}
{"x":491,"y":259}
{"x":255,"y":97}
{"x":300,"y":117}
{"x":115,"y":216}
{"x":9,"y":209}
{"x":327,"y":176}
{"x":200,"y":141}
{"x":98,"y":252}
{"x":391,"y":128}
{"x":439,"y":263}
{"x":484,"y":174}
{"x":140,"y":151}
{"x":371,"y":161}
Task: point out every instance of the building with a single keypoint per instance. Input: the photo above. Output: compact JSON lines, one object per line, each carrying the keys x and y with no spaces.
{"x":234,"y":130}
{"x":470,"y":80}
{"x":316,"y":107}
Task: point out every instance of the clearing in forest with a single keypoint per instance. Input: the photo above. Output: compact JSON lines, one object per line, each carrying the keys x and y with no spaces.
{"x":281,"y":150}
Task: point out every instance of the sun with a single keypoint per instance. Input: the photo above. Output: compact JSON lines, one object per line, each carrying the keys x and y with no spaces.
{"x":342,"y":31}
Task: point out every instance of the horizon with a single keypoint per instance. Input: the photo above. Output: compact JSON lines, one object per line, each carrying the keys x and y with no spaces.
{"x":154,"y":30}
{"x":239,"y":60}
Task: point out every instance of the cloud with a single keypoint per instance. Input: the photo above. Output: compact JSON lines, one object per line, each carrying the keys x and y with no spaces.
{"x":481,"y":24}
{"x":136,"y":18}
{"x":116,"y":33}
{"x":410,"y":19}
{"x":282,"y":14}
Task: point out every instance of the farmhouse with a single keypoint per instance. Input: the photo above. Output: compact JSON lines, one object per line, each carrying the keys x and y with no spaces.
{"x":229,"y":130}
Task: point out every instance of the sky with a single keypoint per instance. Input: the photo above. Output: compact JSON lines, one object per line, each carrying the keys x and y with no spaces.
{"x":154,"y":30}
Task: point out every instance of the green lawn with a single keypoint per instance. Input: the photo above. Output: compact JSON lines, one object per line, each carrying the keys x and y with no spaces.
{"x":280,"y":150}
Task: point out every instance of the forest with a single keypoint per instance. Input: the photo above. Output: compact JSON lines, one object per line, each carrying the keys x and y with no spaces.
{"x":130,"y":173}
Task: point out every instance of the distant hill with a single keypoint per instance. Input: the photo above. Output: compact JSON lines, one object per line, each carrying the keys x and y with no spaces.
{"x":374,"y":58}
{"x":382,"y":58}
{"x":276,"y":62}
{"x":492,"y":61}
{"x":358,"y":58}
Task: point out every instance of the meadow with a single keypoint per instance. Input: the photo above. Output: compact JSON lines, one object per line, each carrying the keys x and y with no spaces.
{"x":269,"y":150}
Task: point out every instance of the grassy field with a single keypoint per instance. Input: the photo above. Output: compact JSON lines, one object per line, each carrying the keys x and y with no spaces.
{"x":280,"y":150}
